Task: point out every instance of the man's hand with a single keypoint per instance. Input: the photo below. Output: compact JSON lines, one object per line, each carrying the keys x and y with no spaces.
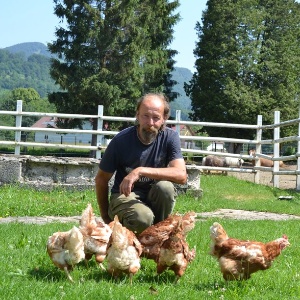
{"x":127,"y":184}
{"x":106,"y":219}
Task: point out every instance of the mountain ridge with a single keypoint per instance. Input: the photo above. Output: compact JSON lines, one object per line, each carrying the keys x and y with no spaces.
{"x":32,"y":51}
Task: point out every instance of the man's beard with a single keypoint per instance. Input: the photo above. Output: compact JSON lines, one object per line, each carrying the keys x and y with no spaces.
{"x":148,"y":135}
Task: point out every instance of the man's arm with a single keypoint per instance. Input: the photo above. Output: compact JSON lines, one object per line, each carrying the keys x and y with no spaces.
{"x":101,"y":184}
{"x":175,"y":172}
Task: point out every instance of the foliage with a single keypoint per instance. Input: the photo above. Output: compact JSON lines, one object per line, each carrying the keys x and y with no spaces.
{"x":247,"y":64}
{"x":179,"y":75}
{"x":17,"y":71}
{"x":32,"y":102}
{"x":110,"y":53}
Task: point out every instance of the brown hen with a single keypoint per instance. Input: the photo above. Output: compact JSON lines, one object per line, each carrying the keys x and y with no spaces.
{"x":154,"y":236}
{"x":123,"y":251}
{"x":165,"y":243}
{"x":174,"y":253}
{"x":66,"y":249}
{"x":239,"y":259}
{"x":96,"y":235}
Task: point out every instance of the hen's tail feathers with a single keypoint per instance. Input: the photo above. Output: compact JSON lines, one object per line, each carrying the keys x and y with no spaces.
{"x":87,"y":216}
{"x":75,"y":245}
{"x":188,"y":222}
{"x":118,"y":234}
{"x":217,"y":233}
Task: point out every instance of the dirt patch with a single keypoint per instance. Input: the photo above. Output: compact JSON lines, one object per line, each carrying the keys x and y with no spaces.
{"x":285,"y":181}
{"x":238,"y":214}
{"x":220,"y":213}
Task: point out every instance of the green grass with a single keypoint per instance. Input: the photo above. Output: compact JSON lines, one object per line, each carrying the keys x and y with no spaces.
{"x":26,"y":271}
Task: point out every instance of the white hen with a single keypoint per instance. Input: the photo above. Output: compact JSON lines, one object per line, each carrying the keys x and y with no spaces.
{"x":123,"y":251}
{"x":96,"y":235}
{"x":66,"y":249}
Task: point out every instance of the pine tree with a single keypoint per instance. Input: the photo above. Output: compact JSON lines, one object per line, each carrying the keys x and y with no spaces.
{"x":247,"y":63}
{"x":106,"y":50}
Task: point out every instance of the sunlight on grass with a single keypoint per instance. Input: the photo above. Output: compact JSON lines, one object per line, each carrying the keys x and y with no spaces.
{"x":27,"y":272}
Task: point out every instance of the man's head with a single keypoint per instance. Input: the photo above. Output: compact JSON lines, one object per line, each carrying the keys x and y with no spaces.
{"x":152,"y":113}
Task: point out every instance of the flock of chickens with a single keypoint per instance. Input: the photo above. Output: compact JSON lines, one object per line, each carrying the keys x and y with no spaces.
{"x":164,"y":242}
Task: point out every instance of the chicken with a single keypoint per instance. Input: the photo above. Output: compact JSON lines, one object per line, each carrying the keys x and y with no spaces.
{"x":165,"y":243}
{"x":66,"y":249}
{"x":123,"y":251}
{"x":174,"y":253}
{"x":154,"y":236}
{"x":96,"y":235}
{"x":239,"y":259}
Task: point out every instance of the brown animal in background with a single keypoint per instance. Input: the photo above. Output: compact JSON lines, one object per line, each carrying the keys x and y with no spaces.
{"x":238,"y":259}
{"x":214,"y":161}
{"x":263,"y":161}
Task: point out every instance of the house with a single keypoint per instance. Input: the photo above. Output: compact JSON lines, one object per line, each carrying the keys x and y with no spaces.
{"x":216,"y":146}
{"x":60,"y":138}
{"x":186,"y":130}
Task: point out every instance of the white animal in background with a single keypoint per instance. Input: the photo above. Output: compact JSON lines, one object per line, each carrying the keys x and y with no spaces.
{"x":219,"y":161}
{"x":234,"y":161}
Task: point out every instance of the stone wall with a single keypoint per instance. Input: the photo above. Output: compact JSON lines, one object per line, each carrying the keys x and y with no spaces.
{"x":47,"y":172}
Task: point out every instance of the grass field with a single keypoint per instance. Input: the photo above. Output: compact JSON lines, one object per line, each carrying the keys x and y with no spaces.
{"x":26,"y":271}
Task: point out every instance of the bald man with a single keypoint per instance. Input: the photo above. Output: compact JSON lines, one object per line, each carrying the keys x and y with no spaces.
{"x":147,"y":160}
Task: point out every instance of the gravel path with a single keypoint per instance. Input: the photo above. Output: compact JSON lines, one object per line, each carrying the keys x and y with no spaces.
{"x":285,"y":181}
{"x":221,"y":213}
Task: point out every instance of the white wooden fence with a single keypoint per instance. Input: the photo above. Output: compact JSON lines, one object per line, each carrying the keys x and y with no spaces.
{"x":258,"y":142}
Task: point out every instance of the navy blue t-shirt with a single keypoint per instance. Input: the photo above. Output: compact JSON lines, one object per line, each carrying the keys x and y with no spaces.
{"x":126,"y":152}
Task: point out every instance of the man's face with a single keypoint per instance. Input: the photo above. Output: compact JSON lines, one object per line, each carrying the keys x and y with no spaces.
{"x":150,"y":117}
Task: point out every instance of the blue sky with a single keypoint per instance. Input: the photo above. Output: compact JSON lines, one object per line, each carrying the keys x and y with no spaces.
{"x":34,"y":21}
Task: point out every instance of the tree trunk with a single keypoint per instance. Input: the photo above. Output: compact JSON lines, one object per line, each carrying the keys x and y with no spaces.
{"x":235,"y":148}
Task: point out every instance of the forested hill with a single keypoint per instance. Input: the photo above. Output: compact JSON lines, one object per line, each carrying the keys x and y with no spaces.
{"x":29,"y":48}
{"x":27,"y":65}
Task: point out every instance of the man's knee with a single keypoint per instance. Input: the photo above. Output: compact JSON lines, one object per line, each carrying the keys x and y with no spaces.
{"x":166,"y":188}
{"x":139,"y":219}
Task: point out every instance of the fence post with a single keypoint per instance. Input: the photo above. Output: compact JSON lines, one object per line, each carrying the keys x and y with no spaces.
{"x":258,"y":147}
{"x":178,"y":118}
{"x":18,"y":124}
{"x":298,"y":158}
{"x":276,"y":149}
{"x":99,"y":127}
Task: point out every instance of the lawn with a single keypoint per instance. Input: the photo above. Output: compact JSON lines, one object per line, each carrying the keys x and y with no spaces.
{"x":26,"y":271}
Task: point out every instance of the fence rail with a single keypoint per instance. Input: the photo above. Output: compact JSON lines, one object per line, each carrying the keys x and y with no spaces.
{"x":100,"y":133}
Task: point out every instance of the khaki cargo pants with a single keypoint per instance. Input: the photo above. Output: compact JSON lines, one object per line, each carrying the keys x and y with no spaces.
{"x":139,"y":211}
